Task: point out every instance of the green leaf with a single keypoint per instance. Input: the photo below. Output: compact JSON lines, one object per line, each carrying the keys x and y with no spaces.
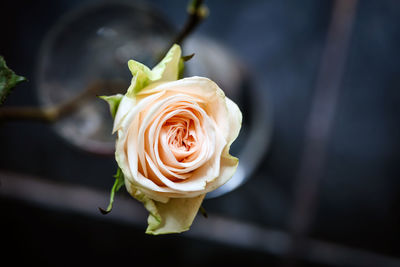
{"x":119,"y":182}
{"x":113,"y":101}
{"x":8,"y":80}
{"x":166,"y":70}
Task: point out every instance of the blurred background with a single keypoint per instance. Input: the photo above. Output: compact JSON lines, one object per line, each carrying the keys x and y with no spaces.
{"x":317,"y":81}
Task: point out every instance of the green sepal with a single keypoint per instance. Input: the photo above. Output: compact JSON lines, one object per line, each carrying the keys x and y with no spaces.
{"x":166,"y":70}
{"x":181,"y":68}
{"x":188,"y":57}
{"x":203,"y":212}
{"x":175,"y":216}
{"x":141,"y":77}
{"x":8,"y":80}
{"x":182,"y":64}
{"x":119,"y":182}
{"x":149,"y":204}
{"x":113,"y":101}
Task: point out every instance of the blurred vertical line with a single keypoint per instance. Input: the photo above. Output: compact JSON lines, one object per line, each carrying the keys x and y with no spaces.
{"x":319,"y":124}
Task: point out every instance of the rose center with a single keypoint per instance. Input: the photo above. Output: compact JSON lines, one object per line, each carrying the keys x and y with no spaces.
{"x":181,"y":137}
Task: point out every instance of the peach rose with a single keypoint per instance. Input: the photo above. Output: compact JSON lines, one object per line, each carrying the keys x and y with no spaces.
{"x":173,"y":140}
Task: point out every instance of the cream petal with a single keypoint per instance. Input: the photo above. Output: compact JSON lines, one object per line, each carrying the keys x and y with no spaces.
{"x":182,"y":167}
{"x":158,"y":128}
{"x":124,"y":117}
{"x":211,"y":169}
{"x":129,"y":141}
{"x":199,"y":185}
{"x":199,"y":87}
{"x":126,"y":150}
{"x":208,"y":172}
{"x":149,"y":116}
{"x":151,"y":138}
{"x":204,"y":91}
{"x":227,"y":169}
{"x":124,"y":107}
{"x":186,"y":186}
{"x":144,"y":125}
{"x":132,"y":187}
{"x":228,"y":163}
{"x":130,"y":148}
{"x":235,"y":122}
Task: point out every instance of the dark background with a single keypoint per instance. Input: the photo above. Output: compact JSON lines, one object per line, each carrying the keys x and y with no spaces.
{"x":281,"y":44}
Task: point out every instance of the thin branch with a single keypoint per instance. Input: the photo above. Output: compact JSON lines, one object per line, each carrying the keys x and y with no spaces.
{"x":197,"y":11}
{"x":196,"y":15}
{"x":52,"y":114}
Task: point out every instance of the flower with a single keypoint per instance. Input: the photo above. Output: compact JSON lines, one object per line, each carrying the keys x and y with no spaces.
{"x":173,"y":140}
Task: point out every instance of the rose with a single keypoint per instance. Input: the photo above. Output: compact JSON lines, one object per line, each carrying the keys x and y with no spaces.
{"x":173,"y":140}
